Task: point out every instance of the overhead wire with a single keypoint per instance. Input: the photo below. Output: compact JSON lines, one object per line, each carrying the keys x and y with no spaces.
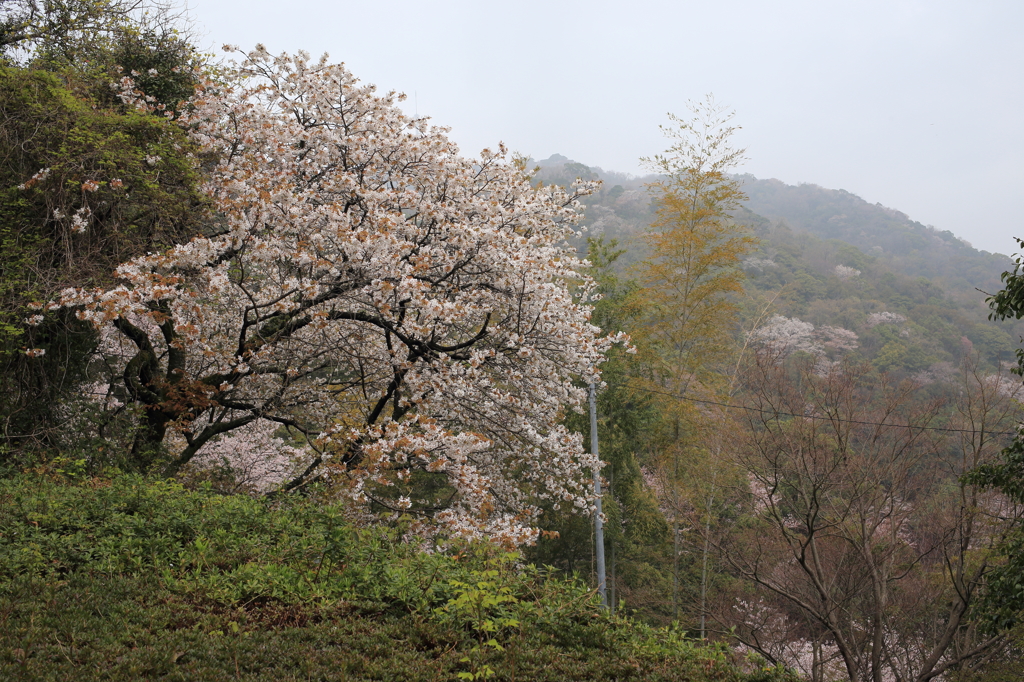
{"x":810,"y":416}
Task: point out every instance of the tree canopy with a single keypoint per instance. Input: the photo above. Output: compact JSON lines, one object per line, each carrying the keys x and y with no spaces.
{"x":407,"y":314}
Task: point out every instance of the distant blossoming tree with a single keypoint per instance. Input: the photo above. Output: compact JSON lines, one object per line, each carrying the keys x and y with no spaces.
{"x":884,"y":317}
{"x":408,"y":314}
{"x":786,"y":335}
{"x":844,"y":272}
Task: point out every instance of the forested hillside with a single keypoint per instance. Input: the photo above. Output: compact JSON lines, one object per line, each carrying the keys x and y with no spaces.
{"x":828,"y":257}
{"x":904,"y":244}
{"x":290,"y":388}
{"x":851,"y":323}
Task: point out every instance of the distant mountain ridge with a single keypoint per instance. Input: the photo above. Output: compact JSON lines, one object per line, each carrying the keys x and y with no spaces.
{"x":828,"y":257}
{"x":917,"y":250}
{"x":907,"y":246}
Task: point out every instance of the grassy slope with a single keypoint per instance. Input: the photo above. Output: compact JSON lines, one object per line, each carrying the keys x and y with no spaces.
{"x":126,"y":578}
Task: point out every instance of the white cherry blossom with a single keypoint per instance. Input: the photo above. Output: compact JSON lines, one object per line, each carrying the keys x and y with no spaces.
{"x":410,"y":315}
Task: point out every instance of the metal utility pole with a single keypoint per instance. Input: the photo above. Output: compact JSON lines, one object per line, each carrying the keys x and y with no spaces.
{"x":598,"y":524}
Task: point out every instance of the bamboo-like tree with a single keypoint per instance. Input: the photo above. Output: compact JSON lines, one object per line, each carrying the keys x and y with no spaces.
{"x":690,"y":283}
{"x":693,"y":270}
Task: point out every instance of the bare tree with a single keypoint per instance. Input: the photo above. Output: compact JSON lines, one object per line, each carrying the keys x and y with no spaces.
{"x":863,"y":543}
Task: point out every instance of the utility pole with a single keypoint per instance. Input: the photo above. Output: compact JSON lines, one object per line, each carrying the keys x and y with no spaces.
{"x":598,"y":524}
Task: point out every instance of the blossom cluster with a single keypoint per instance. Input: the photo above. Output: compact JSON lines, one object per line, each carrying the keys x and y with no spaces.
{"x":410,"y":314}
{"x":844,"y":272}
{"x":786,"y":335}
{"x":884,"y":317}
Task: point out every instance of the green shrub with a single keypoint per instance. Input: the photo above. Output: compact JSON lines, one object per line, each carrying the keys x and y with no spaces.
{"x":126,"y":578}
{"x":132,"y":176}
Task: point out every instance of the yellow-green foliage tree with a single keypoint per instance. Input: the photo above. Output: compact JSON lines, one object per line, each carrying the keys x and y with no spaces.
{"x":693,"y":274}
{"x":691,"y":282}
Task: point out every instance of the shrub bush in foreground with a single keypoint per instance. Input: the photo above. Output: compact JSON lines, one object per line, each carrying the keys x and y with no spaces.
{"x":128,"y":578}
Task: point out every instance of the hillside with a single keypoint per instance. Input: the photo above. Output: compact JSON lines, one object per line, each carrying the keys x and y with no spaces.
{"x":827,"y":257}
{"x":127,"y":578}
{"x":885,"y":234}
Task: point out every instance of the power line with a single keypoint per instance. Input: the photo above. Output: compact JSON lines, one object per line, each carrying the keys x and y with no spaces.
{"x":810,"y":416}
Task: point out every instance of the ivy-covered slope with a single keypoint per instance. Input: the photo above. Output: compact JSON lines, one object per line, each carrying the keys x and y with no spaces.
{"x":85,"y":184}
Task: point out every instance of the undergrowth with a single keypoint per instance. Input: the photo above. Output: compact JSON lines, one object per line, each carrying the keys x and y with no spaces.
{"x":128,"y":578}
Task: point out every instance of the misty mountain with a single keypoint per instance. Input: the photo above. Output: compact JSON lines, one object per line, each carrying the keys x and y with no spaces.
{"x":887,"y":234}
{"x":829,"y":258}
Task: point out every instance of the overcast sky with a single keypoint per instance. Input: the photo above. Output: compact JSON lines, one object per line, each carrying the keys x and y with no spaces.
{"x":916,"y":104}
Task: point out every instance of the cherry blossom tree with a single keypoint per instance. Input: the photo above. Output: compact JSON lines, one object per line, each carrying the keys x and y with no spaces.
{"x":408,"y":315}
{"x":787,"y":335}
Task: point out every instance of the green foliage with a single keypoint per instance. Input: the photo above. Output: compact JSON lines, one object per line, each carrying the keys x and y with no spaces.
{"x":85,"y":181}
{"x":635,"y":529}
{"x":484,"y":603}
{"x":93,"y":42}
{"x":132,"y":178}
{"x":162,"y":64}
{"x":1009,"y":301}
{"x":1002,"y":606}
{"x":126,"y":578}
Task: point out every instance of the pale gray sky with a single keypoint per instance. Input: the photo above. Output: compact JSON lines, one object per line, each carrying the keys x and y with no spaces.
{"x":916,"y":104}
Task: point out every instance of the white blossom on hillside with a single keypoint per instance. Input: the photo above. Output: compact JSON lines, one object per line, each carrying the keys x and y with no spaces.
{"x":844,"y":272}
{"x":884,"y":317}
{"x":786,"y":335}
